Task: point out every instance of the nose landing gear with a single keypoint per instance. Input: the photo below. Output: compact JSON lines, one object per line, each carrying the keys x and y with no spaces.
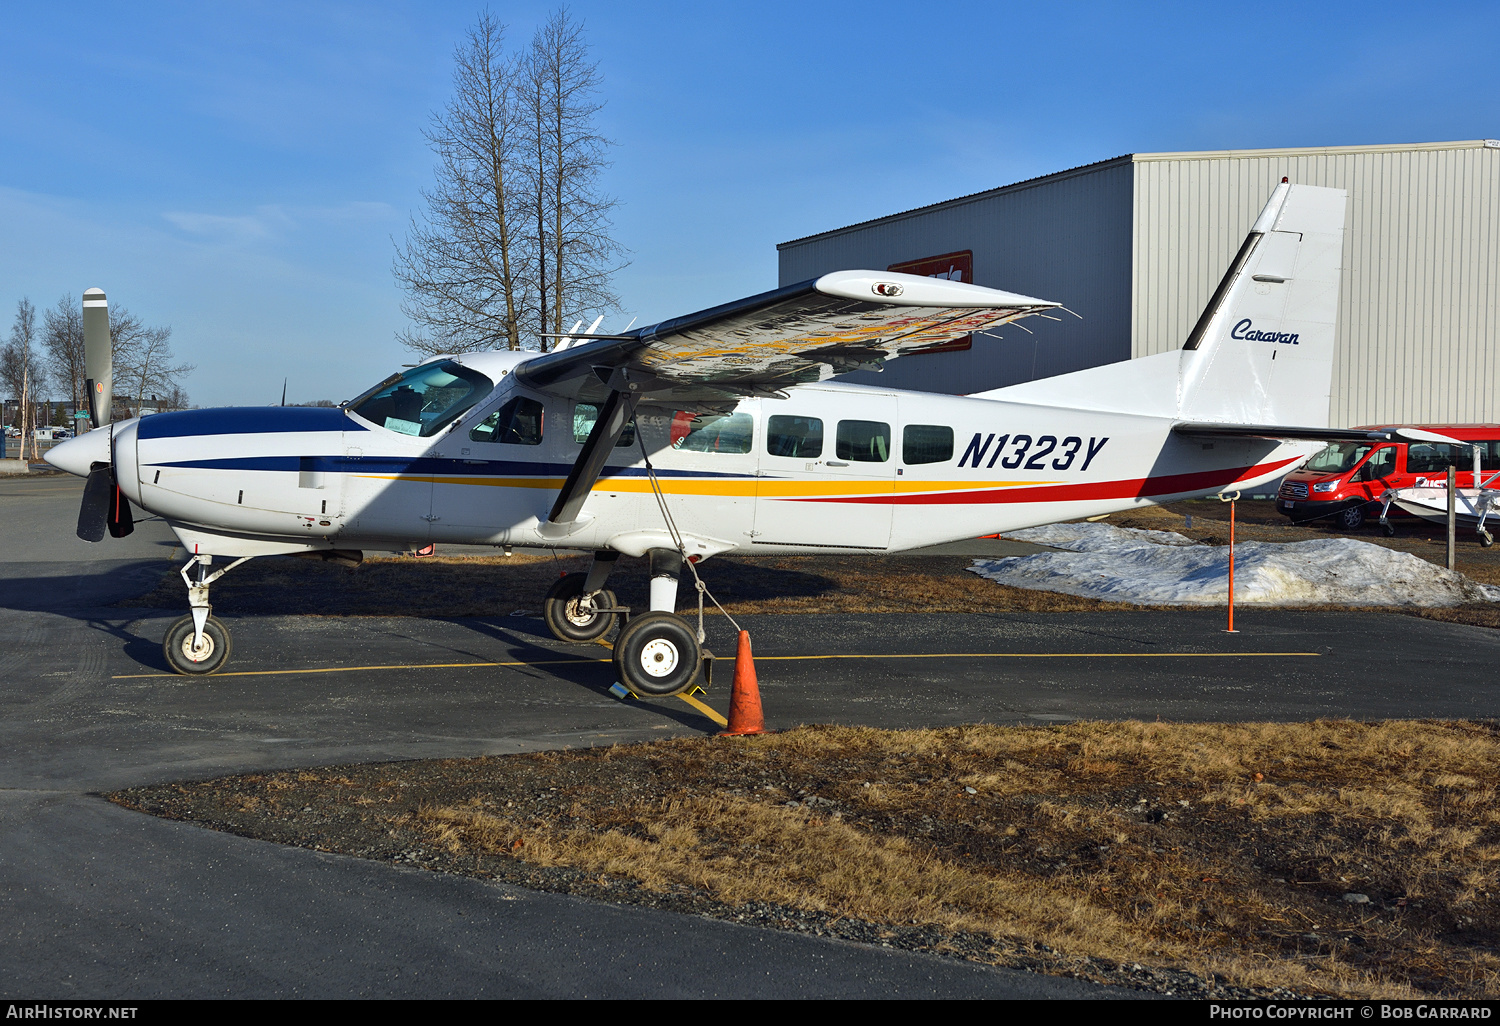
{"x":199,"y":643}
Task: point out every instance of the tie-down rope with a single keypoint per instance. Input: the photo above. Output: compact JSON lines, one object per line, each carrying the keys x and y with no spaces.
{"x":661,"y":502}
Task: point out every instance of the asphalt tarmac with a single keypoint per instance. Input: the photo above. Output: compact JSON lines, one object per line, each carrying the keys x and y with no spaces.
{"x":104,"y":903}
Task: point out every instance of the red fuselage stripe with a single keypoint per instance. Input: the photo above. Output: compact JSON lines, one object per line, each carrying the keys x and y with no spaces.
{"x":1144,"y":487}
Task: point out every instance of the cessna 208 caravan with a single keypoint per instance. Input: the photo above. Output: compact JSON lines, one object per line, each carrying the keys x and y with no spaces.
{"x":718,"y":432}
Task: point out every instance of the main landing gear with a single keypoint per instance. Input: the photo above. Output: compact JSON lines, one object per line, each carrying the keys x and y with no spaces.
{"x":656,"y":653}
{"x":199,"y":643}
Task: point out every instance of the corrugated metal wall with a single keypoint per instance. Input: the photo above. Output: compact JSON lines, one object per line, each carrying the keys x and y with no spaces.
{"x":1066,"y":237}
{"x":1419,"y":318}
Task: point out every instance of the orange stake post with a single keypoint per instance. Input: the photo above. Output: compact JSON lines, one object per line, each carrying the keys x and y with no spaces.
{"x":1230,"y":499}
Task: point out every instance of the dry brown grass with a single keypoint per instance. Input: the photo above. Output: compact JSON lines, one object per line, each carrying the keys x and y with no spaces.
{"x":1225,"y":849}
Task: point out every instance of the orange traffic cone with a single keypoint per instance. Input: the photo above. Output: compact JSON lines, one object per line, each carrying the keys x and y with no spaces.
{"x":745,"y":716}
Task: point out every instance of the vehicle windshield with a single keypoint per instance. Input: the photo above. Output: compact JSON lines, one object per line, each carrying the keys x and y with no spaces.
{"x":423,"y":400}
{"x":1337,"y":458}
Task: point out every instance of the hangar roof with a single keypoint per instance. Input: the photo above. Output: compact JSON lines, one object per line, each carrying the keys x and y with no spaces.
{"x":1028,"y":183}
{"x":1137,"y":157}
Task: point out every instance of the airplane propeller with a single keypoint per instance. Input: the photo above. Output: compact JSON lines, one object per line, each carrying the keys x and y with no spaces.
{"x":104,"y":506}
{"x":98,"y":357}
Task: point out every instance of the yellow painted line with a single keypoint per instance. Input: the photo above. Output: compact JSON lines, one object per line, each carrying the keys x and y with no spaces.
{"x":761,"y":658}
{"x":704,"y":709}
{"x":355,"y":669}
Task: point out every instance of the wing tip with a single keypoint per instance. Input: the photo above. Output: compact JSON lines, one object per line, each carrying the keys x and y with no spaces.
{"x":900,"y":289}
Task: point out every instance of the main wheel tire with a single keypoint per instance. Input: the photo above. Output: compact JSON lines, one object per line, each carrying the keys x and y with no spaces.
{"x":570,"y":617}
{"x":1351,"y":519}
{"x":658,"y":654}
{"x":211,"y":654}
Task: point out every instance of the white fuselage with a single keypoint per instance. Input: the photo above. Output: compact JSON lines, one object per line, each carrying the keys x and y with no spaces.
{"x":255,"y":481}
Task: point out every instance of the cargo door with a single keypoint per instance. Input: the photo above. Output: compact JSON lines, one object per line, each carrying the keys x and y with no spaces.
{"x":828,"y":474}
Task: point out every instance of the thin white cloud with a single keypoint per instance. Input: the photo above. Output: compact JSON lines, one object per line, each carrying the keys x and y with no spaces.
{"x":219,"y":228}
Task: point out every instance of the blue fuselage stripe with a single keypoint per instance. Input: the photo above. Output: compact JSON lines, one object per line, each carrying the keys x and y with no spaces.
{"x":246,"y":420}
{"x":419,"y":466}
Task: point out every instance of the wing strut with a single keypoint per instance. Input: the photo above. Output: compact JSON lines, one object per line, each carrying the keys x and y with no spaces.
{"x":617,"y":411}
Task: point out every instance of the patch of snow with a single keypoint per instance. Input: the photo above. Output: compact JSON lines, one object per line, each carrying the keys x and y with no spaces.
{"x":1092,"y":537}
{"x":1163,"y":568}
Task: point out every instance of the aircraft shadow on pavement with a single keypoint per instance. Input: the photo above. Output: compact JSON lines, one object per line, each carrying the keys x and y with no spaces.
{"x":69,"y":589}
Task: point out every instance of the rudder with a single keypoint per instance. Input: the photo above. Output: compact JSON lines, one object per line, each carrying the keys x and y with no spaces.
{"x":1262,"y":352}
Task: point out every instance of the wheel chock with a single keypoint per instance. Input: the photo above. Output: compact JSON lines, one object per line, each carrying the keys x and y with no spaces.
{"x":620,"y":690}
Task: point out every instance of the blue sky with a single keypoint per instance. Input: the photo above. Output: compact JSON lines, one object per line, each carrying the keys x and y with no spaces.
{"x":238,"y":170}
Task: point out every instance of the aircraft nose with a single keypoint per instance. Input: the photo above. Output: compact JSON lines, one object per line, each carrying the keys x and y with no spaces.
{"x":76,"y":455}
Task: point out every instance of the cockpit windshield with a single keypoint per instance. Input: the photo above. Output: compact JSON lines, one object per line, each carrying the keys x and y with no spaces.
{"x":423,"y":400}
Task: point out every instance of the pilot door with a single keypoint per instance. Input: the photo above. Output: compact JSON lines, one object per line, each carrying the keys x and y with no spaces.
{"x":386,"y":497}
{"x":826,"y":479}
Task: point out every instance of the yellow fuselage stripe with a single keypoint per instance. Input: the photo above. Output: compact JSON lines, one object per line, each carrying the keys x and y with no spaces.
{"x":747,"y":488}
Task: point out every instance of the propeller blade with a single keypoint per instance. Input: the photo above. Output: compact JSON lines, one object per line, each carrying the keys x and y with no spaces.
{"x":121,"y":516}
{"x":283,"y":391}
{"x":93,"y":514}
{"x":98,"y":363}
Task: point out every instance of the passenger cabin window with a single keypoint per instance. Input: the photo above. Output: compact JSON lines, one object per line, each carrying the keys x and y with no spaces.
{"x":795,"y":437}
{"x":518,"y":422}
{"x":584,"y":416}
{"x":425,"y":399}
{"x":712,"y":432}
{"x":863,"y":441}
{"x":926,"y":443}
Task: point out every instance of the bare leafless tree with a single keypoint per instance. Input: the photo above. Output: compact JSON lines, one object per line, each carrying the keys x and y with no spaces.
{"x":459,"y":264}
{"x":22,"y":372}
{"x":62,"y":339}
{"x":143,"y":363}
{"x":514,"y":239}
{"x":569,"y":218}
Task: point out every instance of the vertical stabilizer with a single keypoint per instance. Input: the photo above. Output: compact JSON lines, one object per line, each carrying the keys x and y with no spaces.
{"x":1262,"y":353}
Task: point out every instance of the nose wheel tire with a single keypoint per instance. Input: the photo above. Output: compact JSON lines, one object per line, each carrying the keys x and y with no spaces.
{"x":658,"y":654}
{"x":571,"y":617}
{"x":1486,"y":539}
{"x":211,"y":653}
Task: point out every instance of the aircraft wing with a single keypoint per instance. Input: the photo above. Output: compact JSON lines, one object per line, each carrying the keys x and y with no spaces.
{"x":844,"y":321}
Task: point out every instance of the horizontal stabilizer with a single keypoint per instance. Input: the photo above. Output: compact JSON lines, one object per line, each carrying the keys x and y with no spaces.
{"x":1317,"y":434}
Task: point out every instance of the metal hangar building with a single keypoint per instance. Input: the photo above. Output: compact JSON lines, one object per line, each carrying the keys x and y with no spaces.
{"x":1136,"y":245}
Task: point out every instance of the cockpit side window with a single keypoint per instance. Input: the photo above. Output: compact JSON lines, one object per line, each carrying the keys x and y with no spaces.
{"x":425,"y":399}
{"x":518,"y":422}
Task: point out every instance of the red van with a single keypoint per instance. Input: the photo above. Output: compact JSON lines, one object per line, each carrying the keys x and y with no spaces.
{"x":1345,"y":481}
